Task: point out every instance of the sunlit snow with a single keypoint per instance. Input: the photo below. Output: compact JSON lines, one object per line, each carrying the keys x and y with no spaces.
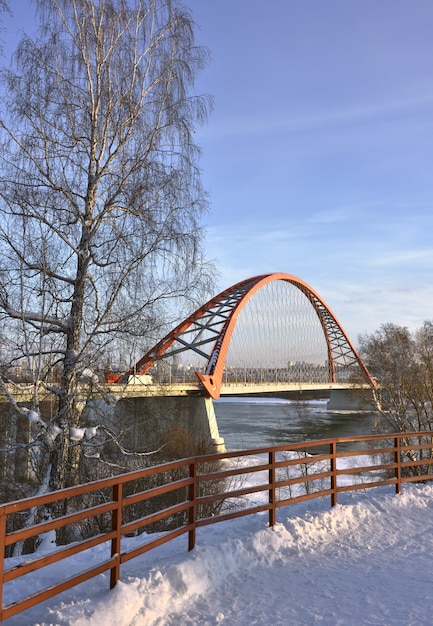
{"x":368,"y":560}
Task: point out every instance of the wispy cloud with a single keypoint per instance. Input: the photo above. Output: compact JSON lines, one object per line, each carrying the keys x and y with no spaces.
{"x":394,"y":258}
{"x":259,"y":125}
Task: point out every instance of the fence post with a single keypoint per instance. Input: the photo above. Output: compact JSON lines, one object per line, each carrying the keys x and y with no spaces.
{"x":333,"y":460}
{"x":192,"y":511}
{"x":116,"y":525}
{"x":397,"y":459}
{"x":272,"y":490}
{"x":2,"y":556}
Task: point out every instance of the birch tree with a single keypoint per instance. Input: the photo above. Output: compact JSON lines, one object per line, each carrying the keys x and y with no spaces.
{"x":101,"y":196}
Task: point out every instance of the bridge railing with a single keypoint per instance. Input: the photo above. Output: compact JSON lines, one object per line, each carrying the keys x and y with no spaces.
{"x":208,"y":489}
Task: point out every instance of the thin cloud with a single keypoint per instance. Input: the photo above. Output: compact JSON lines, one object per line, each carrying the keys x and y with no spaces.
{"x":404,"y":257}
{"x":260,"y":125}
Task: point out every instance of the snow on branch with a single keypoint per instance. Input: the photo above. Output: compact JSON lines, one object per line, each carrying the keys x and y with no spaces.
{"x":40,"y":318}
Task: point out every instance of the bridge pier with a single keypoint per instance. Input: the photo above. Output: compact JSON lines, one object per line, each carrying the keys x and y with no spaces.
{"x":183,"y":426}
{"x":352,"y":400}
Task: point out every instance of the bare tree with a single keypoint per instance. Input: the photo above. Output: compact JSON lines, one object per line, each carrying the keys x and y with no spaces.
{"x":100,"y":195}
{"x":390,"y":352}
{"x":403,"y":364}
{"x":4,"y":8}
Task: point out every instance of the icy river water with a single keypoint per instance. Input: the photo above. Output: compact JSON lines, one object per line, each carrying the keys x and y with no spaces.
{"x":258,"y":422}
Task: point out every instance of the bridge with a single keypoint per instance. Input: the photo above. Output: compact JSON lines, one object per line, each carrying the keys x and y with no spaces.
{"x":270,"y":334}
{"x":272,"y":330}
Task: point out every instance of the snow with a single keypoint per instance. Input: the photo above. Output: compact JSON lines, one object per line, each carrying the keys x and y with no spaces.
{"x":33,"y":417}
{"x":76,"y":434}
{"x":367,"y":560}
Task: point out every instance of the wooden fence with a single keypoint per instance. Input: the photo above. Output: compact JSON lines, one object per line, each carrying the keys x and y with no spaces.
{"x":188,"y":494}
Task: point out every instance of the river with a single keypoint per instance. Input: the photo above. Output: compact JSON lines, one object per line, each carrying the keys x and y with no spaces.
{"x":259,"y":422}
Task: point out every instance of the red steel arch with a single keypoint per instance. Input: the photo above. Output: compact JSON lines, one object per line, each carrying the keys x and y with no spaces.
{"x":218,"y":319}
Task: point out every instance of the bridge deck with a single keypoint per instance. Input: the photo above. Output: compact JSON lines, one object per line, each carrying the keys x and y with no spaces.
{"x":25,"y":393}
{"x":227,"y":389}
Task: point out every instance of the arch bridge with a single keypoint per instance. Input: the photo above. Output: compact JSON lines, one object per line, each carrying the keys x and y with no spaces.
{"x":266,"y":329}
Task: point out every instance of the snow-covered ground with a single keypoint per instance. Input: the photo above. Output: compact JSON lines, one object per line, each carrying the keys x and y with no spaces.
{"x":369,"y":560}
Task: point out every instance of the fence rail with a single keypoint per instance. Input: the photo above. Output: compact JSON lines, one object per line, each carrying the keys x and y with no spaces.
{"x":188,"y":494}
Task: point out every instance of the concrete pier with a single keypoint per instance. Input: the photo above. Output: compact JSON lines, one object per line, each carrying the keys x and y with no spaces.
{"x":361,"y":399}
{"x":183,"y":425}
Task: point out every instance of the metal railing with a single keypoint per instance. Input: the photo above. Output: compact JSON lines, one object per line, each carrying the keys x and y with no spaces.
{"x":190,"y":493}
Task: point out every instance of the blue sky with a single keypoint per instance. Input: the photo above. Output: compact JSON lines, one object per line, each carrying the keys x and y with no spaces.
{"x":318,"y":156}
